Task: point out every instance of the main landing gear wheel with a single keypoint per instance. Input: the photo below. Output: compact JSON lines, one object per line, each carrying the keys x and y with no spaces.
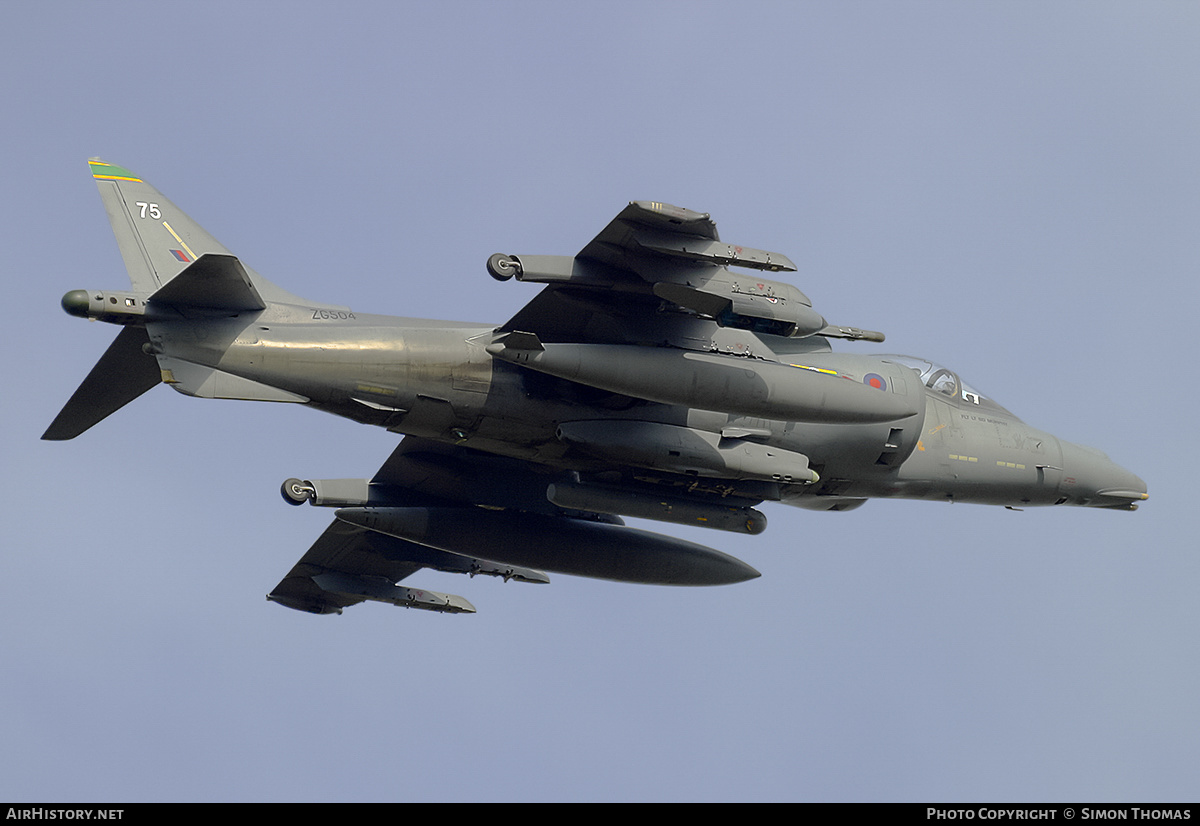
{"x":503,"y":267}
{"x":296,"y":492}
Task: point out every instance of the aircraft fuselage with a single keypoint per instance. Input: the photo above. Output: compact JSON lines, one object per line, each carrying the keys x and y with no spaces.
{"x":437,"y":380}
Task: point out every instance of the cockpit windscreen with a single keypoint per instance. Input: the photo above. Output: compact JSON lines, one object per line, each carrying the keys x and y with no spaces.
{"x":945,"y":381}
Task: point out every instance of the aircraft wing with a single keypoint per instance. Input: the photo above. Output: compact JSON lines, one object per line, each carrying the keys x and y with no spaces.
{"x":659,"y":274}
{"x":348,"y":552}
{"x":350,"y":563}
{"x":458,"y":510}
{"x":646,"y":227}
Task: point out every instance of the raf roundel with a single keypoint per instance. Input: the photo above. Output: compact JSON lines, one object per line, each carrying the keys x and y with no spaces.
{"x":875,"y":380}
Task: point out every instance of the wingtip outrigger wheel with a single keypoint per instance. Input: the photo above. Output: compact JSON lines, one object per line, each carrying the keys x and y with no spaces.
{"x":296,"y":492}
{"x":503,"y":267}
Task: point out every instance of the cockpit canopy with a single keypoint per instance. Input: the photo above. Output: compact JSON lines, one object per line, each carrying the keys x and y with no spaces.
{"x":944,"y":381}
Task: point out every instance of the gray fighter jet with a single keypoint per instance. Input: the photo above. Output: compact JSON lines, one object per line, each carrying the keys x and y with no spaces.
{"x":658,"y":374}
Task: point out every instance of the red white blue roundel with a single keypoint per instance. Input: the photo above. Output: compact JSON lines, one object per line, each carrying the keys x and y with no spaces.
{"x":875,"y":380}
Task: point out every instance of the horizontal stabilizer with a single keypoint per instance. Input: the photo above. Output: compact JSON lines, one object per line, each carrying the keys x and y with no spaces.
{"x":212,"y":282}
{"x":123,"y":373}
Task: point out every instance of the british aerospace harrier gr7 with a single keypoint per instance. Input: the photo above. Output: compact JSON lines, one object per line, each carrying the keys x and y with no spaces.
{"x":658,"y":374}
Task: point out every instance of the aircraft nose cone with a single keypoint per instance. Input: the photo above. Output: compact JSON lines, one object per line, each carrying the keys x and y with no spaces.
{"x":1090,"y":478}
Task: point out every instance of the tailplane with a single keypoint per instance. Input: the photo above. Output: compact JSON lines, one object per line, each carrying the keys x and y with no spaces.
{"x":123,"y":373}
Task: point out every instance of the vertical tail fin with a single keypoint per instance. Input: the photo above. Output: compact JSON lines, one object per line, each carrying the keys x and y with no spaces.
{"x":157,"y":239}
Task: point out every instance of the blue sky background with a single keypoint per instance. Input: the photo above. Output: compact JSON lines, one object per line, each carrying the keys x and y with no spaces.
{"x":1012,"y":189}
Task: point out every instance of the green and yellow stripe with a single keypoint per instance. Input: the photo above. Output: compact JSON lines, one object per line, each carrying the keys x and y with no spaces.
{"x":111,"y":172}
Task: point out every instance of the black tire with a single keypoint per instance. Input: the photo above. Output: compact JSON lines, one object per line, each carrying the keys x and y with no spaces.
{"x":502,"y":267}
{"x":296,"y":492}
